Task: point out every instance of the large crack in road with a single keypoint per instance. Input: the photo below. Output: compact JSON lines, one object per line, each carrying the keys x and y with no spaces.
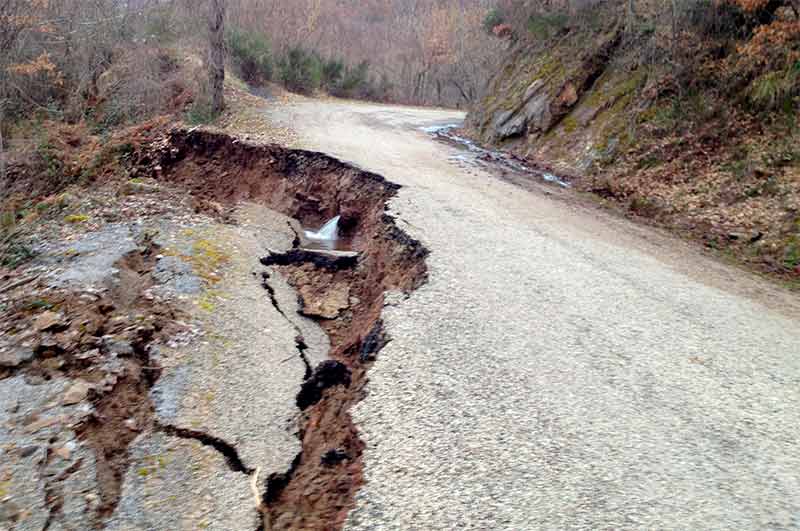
{"x":342,"y":292}
{"x":185,"y":433}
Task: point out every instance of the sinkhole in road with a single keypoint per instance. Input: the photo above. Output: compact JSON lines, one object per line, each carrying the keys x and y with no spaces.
{"x":350,"y":206}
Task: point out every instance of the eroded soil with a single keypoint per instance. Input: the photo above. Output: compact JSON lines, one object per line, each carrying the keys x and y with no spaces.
{"x":100,"y":342}
{"x":319,"y":489}
{"x":107,"y":346}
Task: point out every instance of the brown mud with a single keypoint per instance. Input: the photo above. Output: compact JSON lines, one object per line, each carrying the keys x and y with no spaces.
{"x":319,"y":489}
{"x":102,"y":343}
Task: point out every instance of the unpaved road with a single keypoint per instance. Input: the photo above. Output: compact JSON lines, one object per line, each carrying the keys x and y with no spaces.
{"x":562,"y":369}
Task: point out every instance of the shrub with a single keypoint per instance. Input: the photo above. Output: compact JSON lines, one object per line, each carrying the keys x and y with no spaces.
{"x":357,"y":83}
{"x":332,"y":73}
{"x":138,"y":85}
{"x":791,"y":255}
{"x":301,"y":71}
{"x":544,"y":26}
{"x":251,"y":55}
{"x":776,"y":90}
{"x":356,"y":80}
{"x":14,"y":254}
{"x":494,"y":18}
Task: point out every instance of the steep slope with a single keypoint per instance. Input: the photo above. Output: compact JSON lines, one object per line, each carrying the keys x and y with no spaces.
{"x":690,"y":147}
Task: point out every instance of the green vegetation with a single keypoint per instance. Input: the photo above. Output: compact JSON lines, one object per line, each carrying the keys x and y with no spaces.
{"x":546,"y":25}
{"x":776,"y":90}
{"x":792,"y":254}
{"x":76,"y":218}
{"x":494,"y":18}
{"x":49,"y":161}
{"x":15,"y":255}
{"x":200,"y":113}
{"x":305,"y":72}
{"x":39,"y":304}
{"x":299,"y":70}
{"x":251,"y":55}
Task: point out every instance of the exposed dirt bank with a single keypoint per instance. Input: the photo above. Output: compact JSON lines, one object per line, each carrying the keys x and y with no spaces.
{"x":319,"y":489}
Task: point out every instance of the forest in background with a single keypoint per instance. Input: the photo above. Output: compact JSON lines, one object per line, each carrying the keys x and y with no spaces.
{"x":428,"y":52}
{"x":112,"y":63}
{"x":70,"y":57}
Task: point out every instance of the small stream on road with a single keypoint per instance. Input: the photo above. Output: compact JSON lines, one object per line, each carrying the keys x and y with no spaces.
{"x":327,"y":238}
{"x":473,"y":154}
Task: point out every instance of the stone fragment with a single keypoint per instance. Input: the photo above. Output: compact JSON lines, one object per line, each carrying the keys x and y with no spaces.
{"x":327,"y":304}
{"x":48,"y":345}
{"x":78,"y":392}
{"x":14,"y":357}
{"x":117,"y":347}
{"x":64,"y":453}
{"x":49,"y":321}
{"x":43,"y":423}
{"x":53,"y":364}
{"x":568,"y":96}
{"x":88,"y":355}
{"x":9,"y":512}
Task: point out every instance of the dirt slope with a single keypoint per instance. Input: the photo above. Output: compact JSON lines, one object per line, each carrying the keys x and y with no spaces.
{"x":705,"y":165}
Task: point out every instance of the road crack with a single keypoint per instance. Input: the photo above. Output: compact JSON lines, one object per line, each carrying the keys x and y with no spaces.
{"x":228,"y":450}
{"x":299,"y":340}
{"x":319,"y":489}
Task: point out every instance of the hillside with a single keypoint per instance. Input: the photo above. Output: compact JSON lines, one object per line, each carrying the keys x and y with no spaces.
{"x":685,"y":118}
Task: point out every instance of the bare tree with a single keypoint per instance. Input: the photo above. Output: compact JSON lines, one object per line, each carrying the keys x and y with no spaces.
{"x":216,"y":56}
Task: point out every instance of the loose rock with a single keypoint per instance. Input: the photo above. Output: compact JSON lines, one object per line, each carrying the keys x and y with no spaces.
{"x":16,"y":357}
{"x":50,"y":321}
{"x":77,"y":393}
{"x":328,"y":304}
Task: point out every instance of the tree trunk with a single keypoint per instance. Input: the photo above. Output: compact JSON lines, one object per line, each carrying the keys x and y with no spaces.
{"x":674,"y":16}
{"x":464,"y":95}
{"x":216,"y":55}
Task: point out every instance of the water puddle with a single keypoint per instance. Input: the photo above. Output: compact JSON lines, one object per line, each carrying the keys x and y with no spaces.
{"x":327,"y":238}
{"x":472,"y":153}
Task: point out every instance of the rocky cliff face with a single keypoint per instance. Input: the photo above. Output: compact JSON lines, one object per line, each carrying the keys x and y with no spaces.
{"x":566,"y":104}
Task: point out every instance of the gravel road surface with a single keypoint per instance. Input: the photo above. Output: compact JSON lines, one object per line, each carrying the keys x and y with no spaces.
{"x":563,"y":368}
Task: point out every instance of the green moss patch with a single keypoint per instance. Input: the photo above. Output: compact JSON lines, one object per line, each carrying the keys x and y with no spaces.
{"x":76,"y":218}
